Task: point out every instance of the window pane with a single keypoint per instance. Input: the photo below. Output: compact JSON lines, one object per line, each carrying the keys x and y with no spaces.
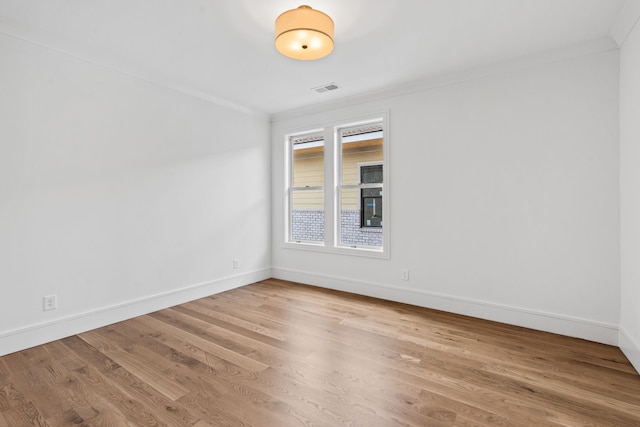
{"x":308,"y":162}
{"x":370,"y":174}
{"x":307,"y":216}
{"x":362,"y":162}
{"x":351,"y":232}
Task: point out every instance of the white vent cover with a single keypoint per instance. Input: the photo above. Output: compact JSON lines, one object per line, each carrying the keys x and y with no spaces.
{"x":326,"y":88}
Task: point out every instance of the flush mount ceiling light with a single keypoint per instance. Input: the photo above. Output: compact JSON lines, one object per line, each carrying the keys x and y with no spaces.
{"x":304,"y":33}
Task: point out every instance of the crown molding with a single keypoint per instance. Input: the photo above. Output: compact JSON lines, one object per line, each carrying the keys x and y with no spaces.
{"x":625,"y":22}
{"x":103,"y":60}
{"x":604,"y":44}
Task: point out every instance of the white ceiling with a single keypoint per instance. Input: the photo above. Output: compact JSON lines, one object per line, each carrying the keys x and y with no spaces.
{"x":223,"y":50}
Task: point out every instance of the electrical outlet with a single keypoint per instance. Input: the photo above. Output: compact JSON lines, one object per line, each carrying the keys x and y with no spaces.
{"x":236,"y":263}
{"x":49,"y":302}
{"x":404,"y":274}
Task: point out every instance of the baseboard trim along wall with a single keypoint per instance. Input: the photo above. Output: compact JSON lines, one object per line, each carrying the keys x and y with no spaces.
{"x":37,"y":334}
{"x":630,"y":348}
{"x":564,"y":325}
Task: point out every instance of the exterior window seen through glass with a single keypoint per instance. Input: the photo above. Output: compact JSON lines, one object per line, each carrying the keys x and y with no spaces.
{"x":371,"y":198}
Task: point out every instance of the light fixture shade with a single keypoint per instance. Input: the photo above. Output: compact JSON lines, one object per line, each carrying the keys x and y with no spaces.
{"x":304,"y":33}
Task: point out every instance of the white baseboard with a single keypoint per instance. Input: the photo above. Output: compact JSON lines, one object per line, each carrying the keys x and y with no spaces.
{"x":630,"y":348}
{"x":29,"y":336}
{"x":564,"y":325}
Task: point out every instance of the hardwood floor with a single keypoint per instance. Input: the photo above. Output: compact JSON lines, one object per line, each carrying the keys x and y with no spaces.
{"x":277,"y":354}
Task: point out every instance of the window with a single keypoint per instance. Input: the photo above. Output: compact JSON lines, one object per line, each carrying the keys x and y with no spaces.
{"x":361,"y":179}
{"x":336,"y":199}
{"x":370,"y":198}
{"x":306,"y":189}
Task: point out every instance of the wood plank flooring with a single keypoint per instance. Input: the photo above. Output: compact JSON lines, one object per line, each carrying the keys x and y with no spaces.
{"x":278,"y":354}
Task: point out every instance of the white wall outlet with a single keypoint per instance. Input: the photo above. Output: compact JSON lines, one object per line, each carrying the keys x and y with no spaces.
{"x":404,"y":274}
{"x":236,"y":263}
{"x":50,"y":302}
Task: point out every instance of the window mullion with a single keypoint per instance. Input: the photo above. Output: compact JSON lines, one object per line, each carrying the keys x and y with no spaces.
{"x":307,"y":188}
{"x":329,"y":194}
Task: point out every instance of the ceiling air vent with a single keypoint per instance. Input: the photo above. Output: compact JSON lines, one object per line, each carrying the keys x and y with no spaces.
{"x":325,"y":88}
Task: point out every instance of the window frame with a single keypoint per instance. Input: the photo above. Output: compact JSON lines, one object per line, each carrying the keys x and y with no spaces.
{"x":332,"y":182}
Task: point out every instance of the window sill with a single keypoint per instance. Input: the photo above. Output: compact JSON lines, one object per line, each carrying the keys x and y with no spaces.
{"x":362,"y":251}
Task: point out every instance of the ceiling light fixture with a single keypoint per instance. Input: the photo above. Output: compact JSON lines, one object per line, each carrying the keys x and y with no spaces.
{"x":304,"y":33}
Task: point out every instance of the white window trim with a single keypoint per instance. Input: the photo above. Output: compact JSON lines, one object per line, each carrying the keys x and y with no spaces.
{"x":332,"y":171}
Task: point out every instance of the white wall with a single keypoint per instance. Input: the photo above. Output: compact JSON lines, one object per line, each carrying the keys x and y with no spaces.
{"x":630,"y":196}
{"x":504,"y":199}
{"x":122,"y":197}
{"x":118,"y":196}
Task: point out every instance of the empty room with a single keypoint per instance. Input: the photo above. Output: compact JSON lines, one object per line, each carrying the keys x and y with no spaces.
{"x":339,"y":213}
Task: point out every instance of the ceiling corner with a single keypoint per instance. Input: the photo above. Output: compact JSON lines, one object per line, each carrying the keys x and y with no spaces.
{"x":626,"y":20}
